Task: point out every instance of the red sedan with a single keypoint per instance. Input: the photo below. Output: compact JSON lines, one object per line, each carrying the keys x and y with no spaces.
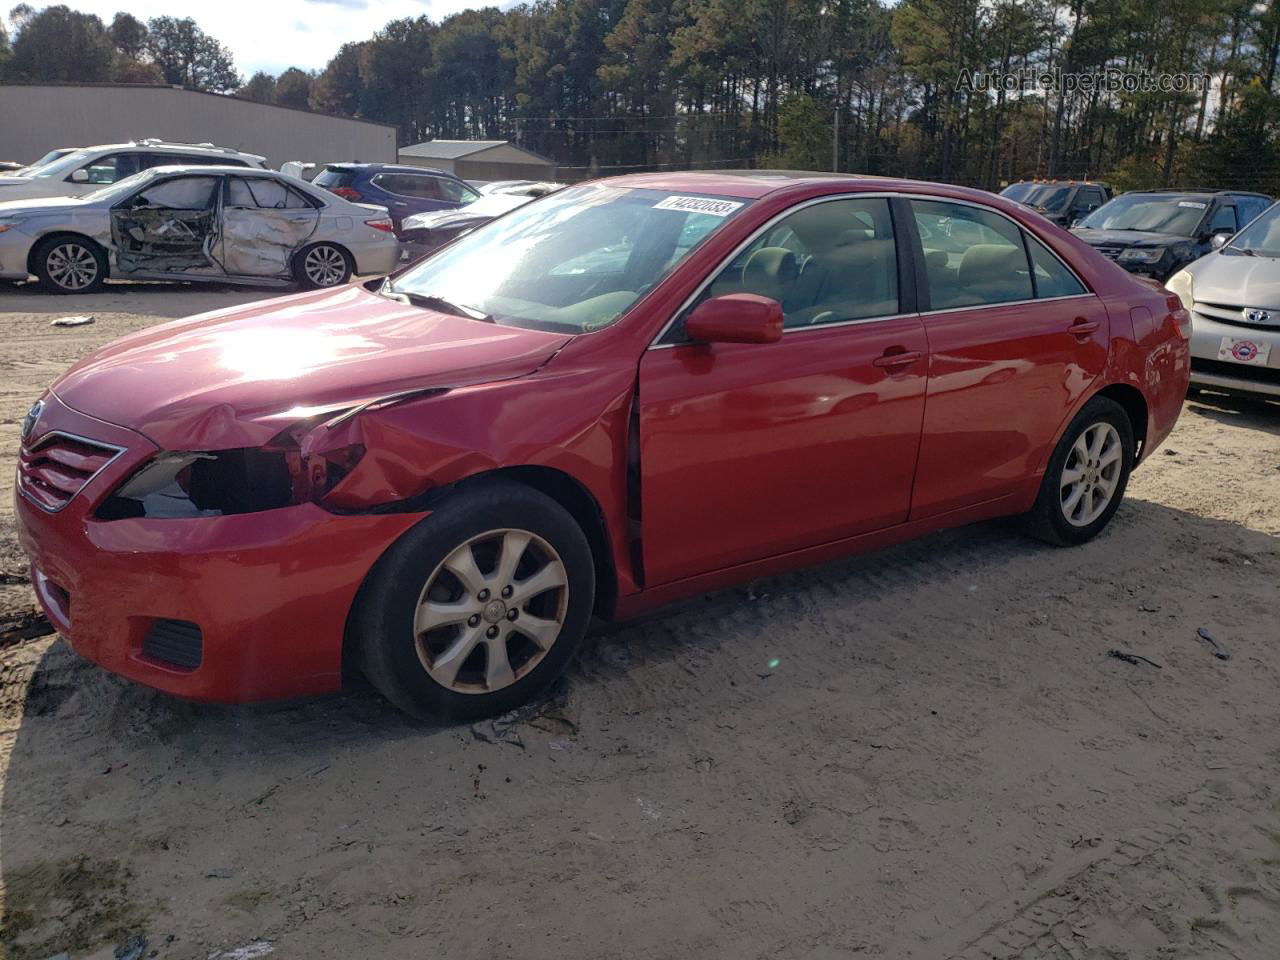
{"x":623,"y":393}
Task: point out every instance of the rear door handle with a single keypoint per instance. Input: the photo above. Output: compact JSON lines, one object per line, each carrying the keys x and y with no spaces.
{"x":898,"y":358}
{"x":1083,"y":327}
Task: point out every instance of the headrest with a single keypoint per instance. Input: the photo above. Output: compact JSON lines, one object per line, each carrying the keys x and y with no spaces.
{"x":985,"y":262}
{"x":770,"y":271}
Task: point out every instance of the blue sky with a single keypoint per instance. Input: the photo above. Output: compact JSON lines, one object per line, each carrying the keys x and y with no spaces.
{"x":276,"y":34}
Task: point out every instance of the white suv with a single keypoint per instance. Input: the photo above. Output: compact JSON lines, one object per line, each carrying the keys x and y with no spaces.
{"x":88,"y":169}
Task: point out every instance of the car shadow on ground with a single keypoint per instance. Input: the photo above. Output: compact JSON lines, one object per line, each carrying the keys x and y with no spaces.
{"x":114,"y":793}
{"x":1251,"y":412}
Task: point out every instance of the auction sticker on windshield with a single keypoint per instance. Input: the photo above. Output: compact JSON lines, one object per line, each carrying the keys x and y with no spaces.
{"x":717,"y":208}
{"x":1243,"y":350}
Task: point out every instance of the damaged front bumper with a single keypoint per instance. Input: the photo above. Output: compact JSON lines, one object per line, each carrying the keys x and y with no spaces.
{"x":224,"y":608}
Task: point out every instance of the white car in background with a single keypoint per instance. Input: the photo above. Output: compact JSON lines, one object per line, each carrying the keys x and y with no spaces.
{"x":83,"y":170}
{"x":1233,"y":295}
{"x":223,"y":224}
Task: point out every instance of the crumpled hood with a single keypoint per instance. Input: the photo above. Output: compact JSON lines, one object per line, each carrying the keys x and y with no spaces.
{"x":237,"y":377}
{"x":1128,"y":238}
{"x":1237,"y":280}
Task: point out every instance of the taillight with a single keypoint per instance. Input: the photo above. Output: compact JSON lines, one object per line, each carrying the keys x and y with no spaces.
{"x":382,"y":223}
{"x":347,"y":193}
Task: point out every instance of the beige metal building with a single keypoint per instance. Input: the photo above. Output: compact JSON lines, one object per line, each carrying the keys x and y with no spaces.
{"x":36,"y":118}
{"x":480,"y":159}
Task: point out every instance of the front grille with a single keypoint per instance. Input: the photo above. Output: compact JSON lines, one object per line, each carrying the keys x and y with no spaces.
{"x":58,"y":466}
{"x":1237,"y":371}
{"x":176,"y":643}
{"x":1224,"y":313}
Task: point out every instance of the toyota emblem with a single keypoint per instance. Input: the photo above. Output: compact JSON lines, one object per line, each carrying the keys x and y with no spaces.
{"x":31,"y":419}
{"x":1254,"y":315}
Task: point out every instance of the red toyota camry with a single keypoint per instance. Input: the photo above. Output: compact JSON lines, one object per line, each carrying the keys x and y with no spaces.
{"x":625,"y":392}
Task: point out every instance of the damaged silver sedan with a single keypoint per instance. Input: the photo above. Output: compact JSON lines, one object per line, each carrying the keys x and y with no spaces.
{"x":224,"y":224}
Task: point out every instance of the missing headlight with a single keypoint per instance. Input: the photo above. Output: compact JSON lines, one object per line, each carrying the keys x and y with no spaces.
{"x":244,"y":480}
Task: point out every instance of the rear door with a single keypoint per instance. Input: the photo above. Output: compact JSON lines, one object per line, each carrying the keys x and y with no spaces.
{"x":1015,"y":339}
{"x":753,"y":450}
{"x":264,"y":223}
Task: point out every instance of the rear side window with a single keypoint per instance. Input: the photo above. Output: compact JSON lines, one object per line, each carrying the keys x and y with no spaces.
{"x":264,"y":193}
{"x":1052,"y":278}
{"x":826,"y":263}
{"x":409,"y":185}
{"x":971,"y":256}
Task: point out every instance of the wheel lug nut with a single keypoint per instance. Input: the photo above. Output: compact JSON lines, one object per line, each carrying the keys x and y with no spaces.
{"x":506,"y":592}
{"x":482,"y":596}
{"x":512,"y":613}
{"x":491,"y":632}
{"x":473,"y":620}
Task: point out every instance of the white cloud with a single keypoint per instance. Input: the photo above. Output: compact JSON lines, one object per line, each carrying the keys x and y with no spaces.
{"x":283,"y":33}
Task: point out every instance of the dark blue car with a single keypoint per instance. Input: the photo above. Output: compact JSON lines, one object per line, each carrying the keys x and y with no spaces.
{"x":401,"y":189}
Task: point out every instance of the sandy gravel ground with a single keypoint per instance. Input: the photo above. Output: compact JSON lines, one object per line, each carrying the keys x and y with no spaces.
{"x":942,"y":763}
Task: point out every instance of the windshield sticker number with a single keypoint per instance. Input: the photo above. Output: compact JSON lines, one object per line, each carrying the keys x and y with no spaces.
{"x":716,"y":208}
{"x":1193,"y":204}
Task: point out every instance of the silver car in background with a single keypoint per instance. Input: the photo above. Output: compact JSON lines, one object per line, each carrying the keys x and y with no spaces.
{"x":1233,"y":295}
{"x":212,"y":223}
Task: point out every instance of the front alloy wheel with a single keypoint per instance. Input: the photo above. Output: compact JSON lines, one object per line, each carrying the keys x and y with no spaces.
{"x":491,"y":611}
{"x":68,"y":265}
{"x":478,"y":607}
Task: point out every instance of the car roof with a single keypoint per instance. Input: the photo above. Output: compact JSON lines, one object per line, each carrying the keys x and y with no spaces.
{"x":1203,"y":191}
{"x":754,"y":184}
{"x":389,"y":167}
{"x":170,"y":148}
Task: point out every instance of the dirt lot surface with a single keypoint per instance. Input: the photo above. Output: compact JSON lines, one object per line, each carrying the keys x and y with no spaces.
{"x":921,"y":753}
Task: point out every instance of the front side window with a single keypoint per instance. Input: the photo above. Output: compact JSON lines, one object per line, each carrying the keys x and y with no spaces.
{"x":178,"y":193}
{"x":826,"y":263}
{"x":571,"y":262}
{"x":1224,"y":220}
{"x":112,"y":167}
{"x":456,"y":192}
{"x":1260,"y":238}
{"x":971,"y":256}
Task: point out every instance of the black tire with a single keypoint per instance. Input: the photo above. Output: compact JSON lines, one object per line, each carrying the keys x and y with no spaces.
{"x":1048,"y":519}
{"x":55,"y":258}
{"x":386,"y":645}
{"x":319,"y":266}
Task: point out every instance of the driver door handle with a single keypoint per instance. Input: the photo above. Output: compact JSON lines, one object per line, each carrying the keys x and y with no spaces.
{"x":896,"y":357}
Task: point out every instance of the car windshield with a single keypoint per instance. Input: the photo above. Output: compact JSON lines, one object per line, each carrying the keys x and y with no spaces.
{"x":122,"y":187}
{"x":1048,"y":197}
{"x":30,"y":169}
{"x":1018,"y":191}
{"x":570,"y":262}
{"x":1150,"y":213}
{"x":1262,"y":237}
{"x":64,"y":165}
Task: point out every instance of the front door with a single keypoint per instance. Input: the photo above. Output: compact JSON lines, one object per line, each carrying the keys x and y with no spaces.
{"x":753,"y":450}
{"x":1015,"y":339}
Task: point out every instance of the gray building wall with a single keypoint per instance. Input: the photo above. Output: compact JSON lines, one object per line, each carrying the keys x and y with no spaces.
{"x":36,"y":118}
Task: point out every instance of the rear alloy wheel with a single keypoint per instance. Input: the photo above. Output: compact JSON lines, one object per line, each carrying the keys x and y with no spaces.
{"x":1086,"y":477}
{"x":322,"y":265}
{"x":70,"y":265}
{"x":477,"y":608}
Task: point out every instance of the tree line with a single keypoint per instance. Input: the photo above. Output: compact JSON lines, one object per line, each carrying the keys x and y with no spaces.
{"x":615,"y":85}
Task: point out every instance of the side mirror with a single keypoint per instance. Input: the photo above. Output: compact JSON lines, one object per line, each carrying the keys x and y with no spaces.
{"x":80,"y":176}
{"x":1219,"y":240}
{"x":736,"y":318}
